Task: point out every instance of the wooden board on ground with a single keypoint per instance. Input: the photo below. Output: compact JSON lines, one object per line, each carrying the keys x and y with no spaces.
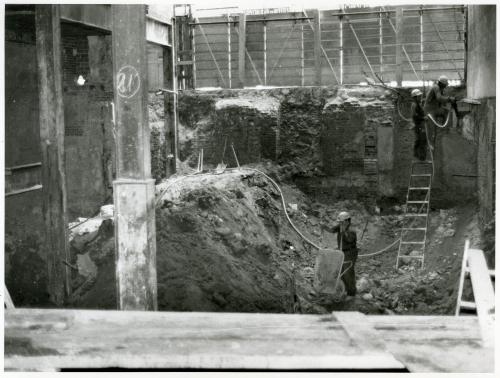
{"x":55,"y":339}
{"x":38,"y":339}
{"x":436,"y":343}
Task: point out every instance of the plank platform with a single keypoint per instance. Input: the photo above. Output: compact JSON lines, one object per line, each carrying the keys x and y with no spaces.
{"x":51,"y":340}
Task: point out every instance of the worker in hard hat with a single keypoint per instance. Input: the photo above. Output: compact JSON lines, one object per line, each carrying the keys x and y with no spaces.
{"x":346,"y":242}
{"x":418,"y":117}
{"x":435,"y":105}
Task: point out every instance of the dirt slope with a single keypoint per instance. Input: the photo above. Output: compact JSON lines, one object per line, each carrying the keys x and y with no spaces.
{"x":223,"y":244}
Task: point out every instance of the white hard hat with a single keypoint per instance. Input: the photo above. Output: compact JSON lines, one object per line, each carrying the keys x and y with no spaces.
{"x":416,"y":92}
{"x":344,"y":215}
{"x":443,"y":79}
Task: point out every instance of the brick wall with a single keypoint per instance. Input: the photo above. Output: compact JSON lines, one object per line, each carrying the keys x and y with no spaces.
{"x":89,"y":146}
{"x":343,"y":142}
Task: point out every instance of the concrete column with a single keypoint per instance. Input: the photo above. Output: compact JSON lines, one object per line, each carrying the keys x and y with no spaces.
{"x":134,"y":188}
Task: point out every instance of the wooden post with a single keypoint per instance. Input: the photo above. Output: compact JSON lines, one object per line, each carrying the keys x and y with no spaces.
{"x":317,"y":47}
{"x":134,"y":190}
{"x":399,"y":42}
{"x":302,"y":55}
{"x":229,"y":68}
{"x":242,"y":48}
{"x":48,"y":49}
{"x":169,"y":108}
{"x":341,"y":50}
{"x":264,"y":50}
{"x":381,"y":42}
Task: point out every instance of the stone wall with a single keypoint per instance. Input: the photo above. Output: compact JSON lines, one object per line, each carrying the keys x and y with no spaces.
{"x":335,"y":142}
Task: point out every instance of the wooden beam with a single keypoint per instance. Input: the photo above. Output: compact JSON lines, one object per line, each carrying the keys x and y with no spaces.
{"x":242,"y":36}
{"x":229,"y":69}
{"x":484,"y":296}
{"x":55,"y":245}
{"x":94,"y":15}
{"x":133,"y":188}
{"x":461,"y":278}
{"x":399,"y":41}
{"x":264,"y":50}
{"x":317,"y":47}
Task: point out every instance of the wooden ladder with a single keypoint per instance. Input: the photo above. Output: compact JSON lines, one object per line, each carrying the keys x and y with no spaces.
{"x":415,"y":222}
{"x":466,"y":271}
{"x":474,"y":264}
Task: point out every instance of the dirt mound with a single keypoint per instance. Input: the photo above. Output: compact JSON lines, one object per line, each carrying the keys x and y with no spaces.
{"x":224,"y":244}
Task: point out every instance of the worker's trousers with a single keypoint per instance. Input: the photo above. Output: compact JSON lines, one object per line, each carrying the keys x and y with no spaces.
{"x":349,"y":276}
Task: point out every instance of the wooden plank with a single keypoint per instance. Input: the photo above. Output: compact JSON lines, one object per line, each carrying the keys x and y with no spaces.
{"x":9,"y":305}
{"x":186,"y":340}
{"x":317,"y":46}
{"x":24,"y":190}
{"x":399,"y":41}
{"x":361,"y":331}
{"x":484,"y":296}
{"x":133,"y":188}
{"x":241,"y":49}
{"x":461,"y":278}
{"x":48,"y":49}
{"x":137,"y":339}
{"x":436,"y":343}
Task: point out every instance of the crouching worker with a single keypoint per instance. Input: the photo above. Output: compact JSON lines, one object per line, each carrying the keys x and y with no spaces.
{"x":346,"y":241}
{"x":435,"y":106}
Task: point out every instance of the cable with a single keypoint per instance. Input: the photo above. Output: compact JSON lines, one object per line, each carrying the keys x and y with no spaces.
{"x":436,"y":123}
{"x":285,"y":211}
{"x":380,"y":251}
{"x":399,"y":111}
{"x":284,"y":208}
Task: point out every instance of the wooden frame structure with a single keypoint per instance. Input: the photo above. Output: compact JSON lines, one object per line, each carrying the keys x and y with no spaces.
{"x":412,"y":44}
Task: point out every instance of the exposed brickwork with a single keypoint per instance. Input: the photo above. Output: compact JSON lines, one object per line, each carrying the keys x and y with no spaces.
{"x":327,"y":138}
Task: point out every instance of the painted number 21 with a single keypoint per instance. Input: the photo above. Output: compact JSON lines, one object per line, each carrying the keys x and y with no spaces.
{"x":128,"y":81}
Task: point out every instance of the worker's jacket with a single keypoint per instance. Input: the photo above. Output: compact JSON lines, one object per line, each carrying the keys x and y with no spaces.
{"x":435,"y":100}
{"x":347,"y":242}
{"x":417,"y":114}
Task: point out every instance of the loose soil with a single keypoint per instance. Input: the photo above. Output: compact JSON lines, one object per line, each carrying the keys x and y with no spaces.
{"x":224,"y":244}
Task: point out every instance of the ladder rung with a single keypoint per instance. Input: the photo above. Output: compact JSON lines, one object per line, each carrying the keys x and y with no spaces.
{"x":417,"y":201}
{"x":421,"y":175}
{"x":467,"y":305}
{"x":411,"y":257}
{"x":491,"y":272}
{"x":411,"y":242}
{"x":419,"y":188}
{"x":415,"y":215}
{"x":415,"y":228}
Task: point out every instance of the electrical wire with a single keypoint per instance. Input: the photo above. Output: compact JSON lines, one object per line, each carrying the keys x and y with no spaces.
{"x":438,"y":124}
